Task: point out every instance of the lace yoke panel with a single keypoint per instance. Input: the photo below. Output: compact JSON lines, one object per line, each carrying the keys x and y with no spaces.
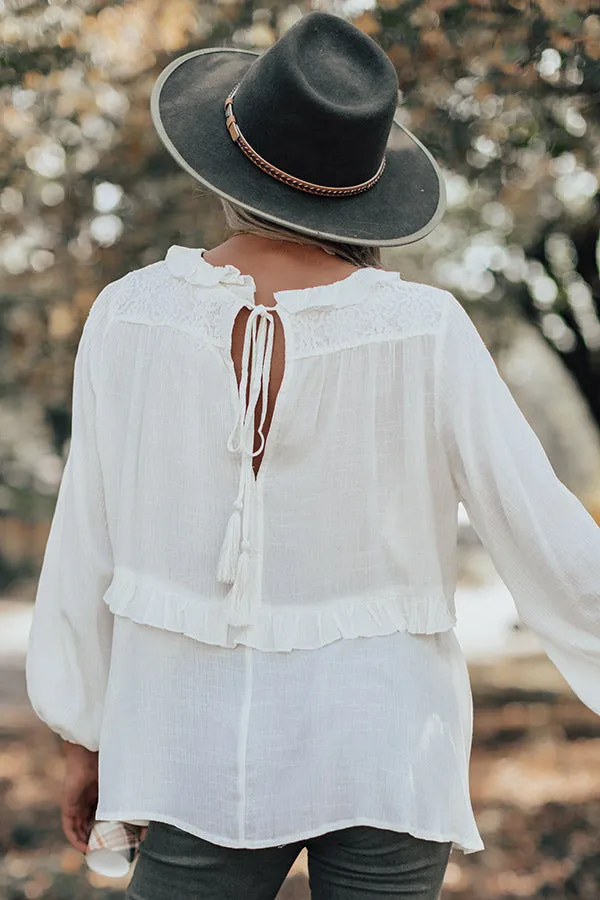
{"x":379,"y":307}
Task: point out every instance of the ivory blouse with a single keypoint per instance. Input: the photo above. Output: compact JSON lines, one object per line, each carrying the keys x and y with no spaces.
{"x":262,"y":659}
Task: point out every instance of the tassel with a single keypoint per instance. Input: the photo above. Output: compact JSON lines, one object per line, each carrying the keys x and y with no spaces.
{"x":238,"y":605}
{"x":230,"y":548}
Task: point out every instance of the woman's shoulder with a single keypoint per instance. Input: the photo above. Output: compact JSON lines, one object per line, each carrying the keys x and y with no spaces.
{"x":417,"y":296}
{"x":134,"y":289}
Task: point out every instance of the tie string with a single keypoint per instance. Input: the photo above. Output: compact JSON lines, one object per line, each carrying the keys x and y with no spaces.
{"x":234,"y":559}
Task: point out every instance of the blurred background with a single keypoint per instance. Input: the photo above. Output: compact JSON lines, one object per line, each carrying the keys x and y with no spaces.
{"x":506,"y":95}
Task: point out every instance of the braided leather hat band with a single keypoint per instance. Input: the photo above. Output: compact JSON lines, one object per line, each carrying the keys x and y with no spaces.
{"x":285,"y":177}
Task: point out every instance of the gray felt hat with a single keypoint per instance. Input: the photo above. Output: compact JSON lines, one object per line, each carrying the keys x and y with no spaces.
{"x":303,"y":134}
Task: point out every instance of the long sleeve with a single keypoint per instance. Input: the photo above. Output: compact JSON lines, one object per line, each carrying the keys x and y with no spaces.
{"x":543,"y":542}
{"x":68,"y":654}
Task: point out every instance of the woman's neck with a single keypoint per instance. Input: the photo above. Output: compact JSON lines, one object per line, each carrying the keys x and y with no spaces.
{"x":252,"y":253}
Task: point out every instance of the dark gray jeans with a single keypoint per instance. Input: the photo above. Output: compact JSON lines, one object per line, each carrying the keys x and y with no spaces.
{"x":348,"y":864}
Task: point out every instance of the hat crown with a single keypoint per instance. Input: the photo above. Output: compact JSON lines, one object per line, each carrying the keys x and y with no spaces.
{"x":319,"y":104}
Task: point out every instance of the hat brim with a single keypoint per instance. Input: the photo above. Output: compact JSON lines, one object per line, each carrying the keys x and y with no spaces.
{"x":187,"y":108}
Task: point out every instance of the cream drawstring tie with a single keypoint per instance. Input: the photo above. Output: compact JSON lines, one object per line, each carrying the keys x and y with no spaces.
{"x":234,"y":558}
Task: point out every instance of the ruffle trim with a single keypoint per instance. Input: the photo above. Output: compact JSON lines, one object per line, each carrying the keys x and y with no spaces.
{"x":148,"y":601}
{"x":188,"y":264}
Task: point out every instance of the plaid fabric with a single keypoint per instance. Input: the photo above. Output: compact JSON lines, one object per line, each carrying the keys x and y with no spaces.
{"x":116,"y":837}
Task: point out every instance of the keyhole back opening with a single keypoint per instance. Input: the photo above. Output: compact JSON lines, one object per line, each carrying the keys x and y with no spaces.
{"x":277,"y":368}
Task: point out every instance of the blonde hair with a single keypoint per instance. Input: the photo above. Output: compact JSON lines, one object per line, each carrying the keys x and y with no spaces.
{"x":242,"y":221}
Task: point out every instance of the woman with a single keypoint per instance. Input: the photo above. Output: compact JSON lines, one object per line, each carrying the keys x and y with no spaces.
{"x":246,"y":603}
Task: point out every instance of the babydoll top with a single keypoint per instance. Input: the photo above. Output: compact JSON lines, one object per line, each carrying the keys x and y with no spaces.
{"x":261,"y":658}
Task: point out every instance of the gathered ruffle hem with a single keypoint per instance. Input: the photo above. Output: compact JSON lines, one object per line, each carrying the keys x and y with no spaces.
{"x":148,"y":600}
